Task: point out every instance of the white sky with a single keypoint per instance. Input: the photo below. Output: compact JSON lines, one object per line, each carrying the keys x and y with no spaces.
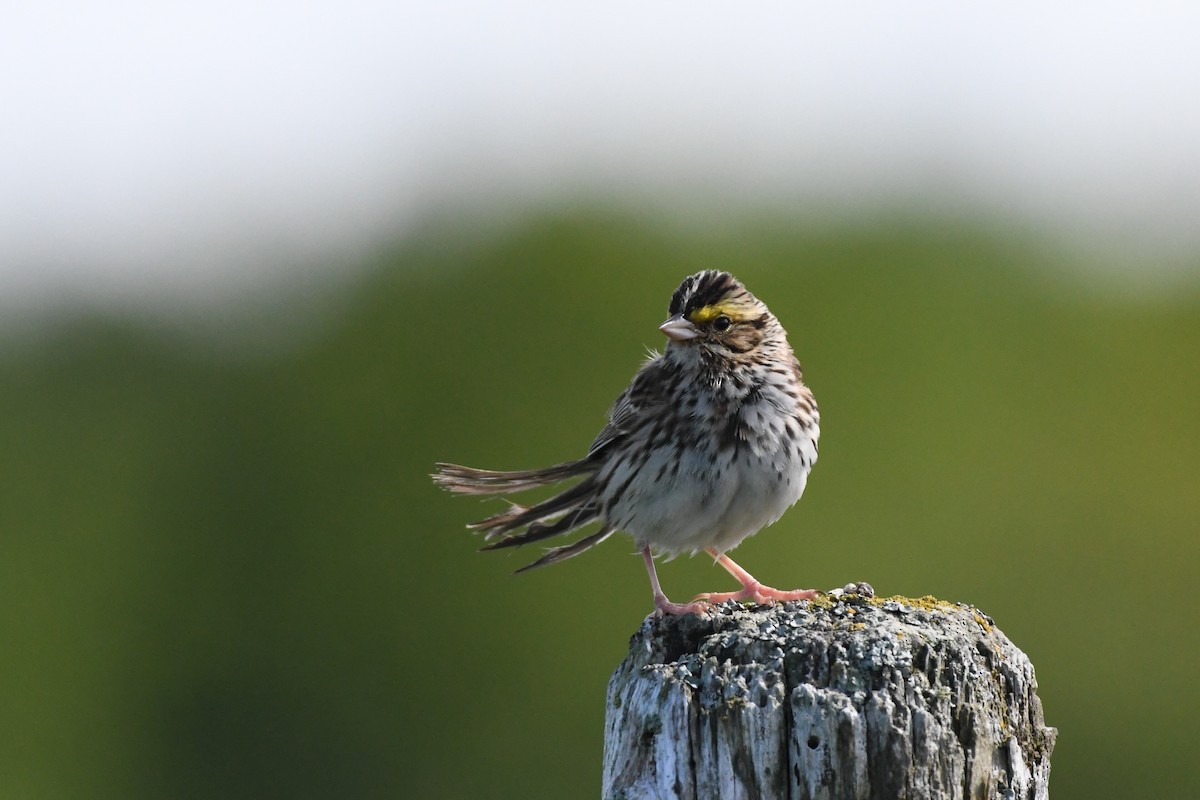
{"x":151,"y":150}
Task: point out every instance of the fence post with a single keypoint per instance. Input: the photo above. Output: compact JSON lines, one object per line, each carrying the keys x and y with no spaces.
{"x":841,"y":697}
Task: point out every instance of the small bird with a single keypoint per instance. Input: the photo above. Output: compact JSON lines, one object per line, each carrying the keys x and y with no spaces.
{"x":712,"y":441}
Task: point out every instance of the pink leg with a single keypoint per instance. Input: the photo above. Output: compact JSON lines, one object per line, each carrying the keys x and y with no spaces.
{"x":752,"y":590}
{"x":661,"y":603}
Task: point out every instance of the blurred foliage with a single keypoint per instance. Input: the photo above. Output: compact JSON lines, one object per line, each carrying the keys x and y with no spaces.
{"x":227,"y":575}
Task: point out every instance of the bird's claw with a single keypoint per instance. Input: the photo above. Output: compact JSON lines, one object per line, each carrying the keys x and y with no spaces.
{"x":758,"y":595}
{"x":663,"y":607}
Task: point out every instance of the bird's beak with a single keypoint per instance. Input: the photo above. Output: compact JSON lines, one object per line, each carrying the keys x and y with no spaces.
{"x":679,"y":329}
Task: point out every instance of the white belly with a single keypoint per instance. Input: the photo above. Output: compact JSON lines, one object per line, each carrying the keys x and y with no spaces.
{"x":698,"y":507}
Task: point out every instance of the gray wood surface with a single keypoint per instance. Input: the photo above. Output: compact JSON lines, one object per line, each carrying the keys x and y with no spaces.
{"x":845,"y":697}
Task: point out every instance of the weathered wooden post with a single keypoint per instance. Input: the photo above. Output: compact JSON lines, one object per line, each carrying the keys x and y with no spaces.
{"x":843,"y":697}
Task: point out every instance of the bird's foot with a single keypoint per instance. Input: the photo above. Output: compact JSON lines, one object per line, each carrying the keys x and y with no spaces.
{"x":758,"y":594}
{"x":664,"y":606}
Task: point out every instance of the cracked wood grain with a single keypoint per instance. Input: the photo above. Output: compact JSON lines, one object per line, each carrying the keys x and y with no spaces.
{"x":842,"y":697}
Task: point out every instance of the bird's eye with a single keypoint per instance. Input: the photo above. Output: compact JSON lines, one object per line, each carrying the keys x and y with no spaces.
{"x":722,"y":323}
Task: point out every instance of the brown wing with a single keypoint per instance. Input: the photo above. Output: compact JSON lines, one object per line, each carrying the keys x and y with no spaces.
{"x":644,"y":397}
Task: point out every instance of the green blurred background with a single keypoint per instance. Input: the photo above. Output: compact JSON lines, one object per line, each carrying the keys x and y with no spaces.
{"x":226,"y":573}
{"x":262,"y":265}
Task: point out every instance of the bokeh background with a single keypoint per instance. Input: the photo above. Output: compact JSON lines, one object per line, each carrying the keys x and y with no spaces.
{"x":261,"y":266}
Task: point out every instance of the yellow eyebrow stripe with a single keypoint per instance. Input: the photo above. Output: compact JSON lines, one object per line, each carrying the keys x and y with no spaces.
{"x":709,"y":313}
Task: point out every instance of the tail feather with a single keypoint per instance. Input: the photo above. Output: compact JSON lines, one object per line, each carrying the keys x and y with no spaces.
{"x":576,"y":518}
{"x":517,"y":515}
{"x":569,"y":550}
{"x":518,"y":525}
{"x":469,"y":480}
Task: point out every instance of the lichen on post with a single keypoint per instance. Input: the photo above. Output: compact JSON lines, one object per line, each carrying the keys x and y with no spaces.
{"x":842,"y":697}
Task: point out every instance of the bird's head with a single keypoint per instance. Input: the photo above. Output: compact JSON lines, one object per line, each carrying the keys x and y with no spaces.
{"x":713,"y":309}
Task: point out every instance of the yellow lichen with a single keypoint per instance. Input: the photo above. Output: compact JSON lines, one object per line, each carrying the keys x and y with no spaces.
{"x":925,"y":603}
{"x":822,"y":601}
